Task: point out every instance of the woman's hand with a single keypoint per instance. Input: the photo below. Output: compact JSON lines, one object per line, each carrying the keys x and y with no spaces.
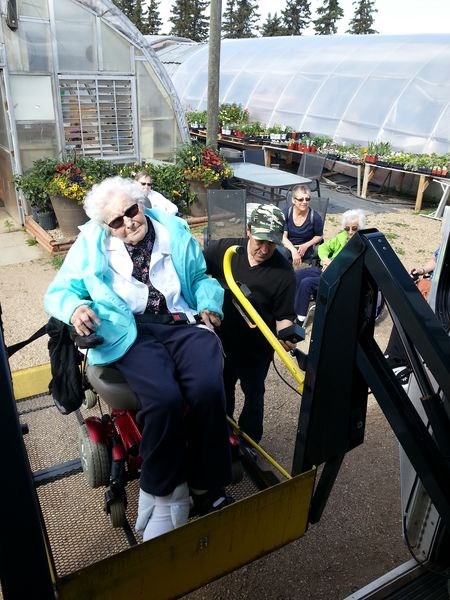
{"x":296,"y":257}
{"x":210,"y":319}
{"x":84,"y":320}
{"x":302,"y":248}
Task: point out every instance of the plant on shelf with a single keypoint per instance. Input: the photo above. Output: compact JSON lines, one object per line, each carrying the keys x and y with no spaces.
{"x":201,"y":163}
{"x":232,"y":114}
{"x":197,"y":119}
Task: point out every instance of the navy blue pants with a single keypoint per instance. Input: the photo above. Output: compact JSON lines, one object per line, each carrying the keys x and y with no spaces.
{"x":307,"y":284}
{"x":252,"y":379}
{"x":176,"y":373}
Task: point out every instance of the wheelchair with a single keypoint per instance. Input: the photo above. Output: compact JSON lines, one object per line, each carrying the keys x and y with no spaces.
{"x":109,"y":444}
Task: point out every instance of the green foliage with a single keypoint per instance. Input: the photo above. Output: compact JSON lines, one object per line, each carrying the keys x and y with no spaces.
{"x":273,"y":26}
{"x":329,"y":13}
{"x":240,"y":19}
{"x":33,"y":188}
{"x":32,"y":241}
{"x":363,"y":18}
{"x":154,"y":21}
{"x":8,"y":225}
{"x":189,"y":20}
{"x":232,"y":114}
{"x":57,"y":260}
{"x":296,"y":16}
{"x":198,"y":162}
{"x":168,"y":180}
{"x":197,"y":116}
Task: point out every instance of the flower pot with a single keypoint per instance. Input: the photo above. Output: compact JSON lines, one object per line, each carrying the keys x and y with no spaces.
{"x":47,"y":219}
{"x":198,"y":208}
{"x":69,"y":214}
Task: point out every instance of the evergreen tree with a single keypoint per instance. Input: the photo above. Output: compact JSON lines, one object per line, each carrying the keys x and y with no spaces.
{"x":296,"y":16}
{"x":138,"y":16}
{"x":135,"y":11}
{"x":154,"y":20}
{"x":126,"y":6}
{"x":188,"y":19}
{"x":363,"y":17}
{"x":240,"y":19}
{"x":273,"y":26}
{"x":329,"y":14}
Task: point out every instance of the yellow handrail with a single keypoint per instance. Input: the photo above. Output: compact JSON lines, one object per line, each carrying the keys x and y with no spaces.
{"x":293,"y":367}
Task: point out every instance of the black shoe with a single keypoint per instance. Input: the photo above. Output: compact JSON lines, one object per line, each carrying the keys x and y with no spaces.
{"x":209,"y":502}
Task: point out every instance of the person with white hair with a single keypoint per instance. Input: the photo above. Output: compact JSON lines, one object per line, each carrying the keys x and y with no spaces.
{"x":307,"y":280}
{"x":137,"y":277}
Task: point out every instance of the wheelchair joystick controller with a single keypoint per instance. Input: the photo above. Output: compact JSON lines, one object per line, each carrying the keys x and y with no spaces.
{"x":84,"y":342}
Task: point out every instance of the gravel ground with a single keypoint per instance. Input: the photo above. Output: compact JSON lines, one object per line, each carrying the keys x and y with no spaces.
{"x":359,"y":537}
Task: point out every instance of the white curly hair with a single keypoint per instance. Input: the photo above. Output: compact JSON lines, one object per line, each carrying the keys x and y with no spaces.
{"x":102,"y":193}
{"x":354,"y":214}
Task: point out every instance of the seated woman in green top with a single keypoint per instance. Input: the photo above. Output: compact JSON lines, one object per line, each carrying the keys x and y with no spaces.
{"x":307,"y":280}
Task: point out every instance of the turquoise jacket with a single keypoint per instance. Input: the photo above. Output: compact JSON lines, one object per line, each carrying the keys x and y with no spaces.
{"x":85,"y":278}
{"x":332,"y":248}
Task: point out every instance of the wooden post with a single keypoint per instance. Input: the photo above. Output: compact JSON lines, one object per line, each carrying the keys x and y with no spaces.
{"x":423,"y":184}
{"x":213,"y":72}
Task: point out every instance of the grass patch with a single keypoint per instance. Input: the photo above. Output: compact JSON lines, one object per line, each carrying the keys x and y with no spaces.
{"x":398,"y":224}
{"x":391,"y":236}
{"x":57,"y":261}
{"x":32,"y":241}
{"x":400,"y":251}
{"x":8,"y":225}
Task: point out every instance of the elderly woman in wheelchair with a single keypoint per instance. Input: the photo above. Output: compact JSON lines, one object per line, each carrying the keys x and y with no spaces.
{"x":136,"y":278}
{"x":307,"y":280}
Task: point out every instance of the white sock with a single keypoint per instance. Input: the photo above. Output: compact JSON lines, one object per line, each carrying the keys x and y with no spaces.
{"x":168,"y":512}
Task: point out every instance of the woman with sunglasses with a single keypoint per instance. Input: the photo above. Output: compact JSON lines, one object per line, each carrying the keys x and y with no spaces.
{"x":136,"y":277}
{"x":307,"y":280}
{"x":153,"y":198}
{"x":303,"y":228}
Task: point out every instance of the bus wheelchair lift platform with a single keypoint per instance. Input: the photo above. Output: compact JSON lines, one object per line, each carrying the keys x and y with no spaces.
{"x":331,"y":422}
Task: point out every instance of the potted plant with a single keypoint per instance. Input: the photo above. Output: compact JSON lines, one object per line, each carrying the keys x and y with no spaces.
{"x":68,"y":186}
{"x":203,"y":167}
{"x":33,"y":186}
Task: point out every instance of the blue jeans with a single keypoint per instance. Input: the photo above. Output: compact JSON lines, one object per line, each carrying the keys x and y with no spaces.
{"x":307,"y":284}
{"x":252,"y":378}
{"x":176,"y":373}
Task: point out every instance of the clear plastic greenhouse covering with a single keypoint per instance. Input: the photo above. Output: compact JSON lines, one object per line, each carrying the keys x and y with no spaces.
{"x":353,"y":88}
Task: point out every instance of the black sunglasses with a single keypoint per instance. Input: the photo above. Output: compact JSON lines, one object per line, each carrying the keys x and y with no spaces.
{"x":306,"y":199}
{"x":130,"y":213}
{"x":352,"y":228}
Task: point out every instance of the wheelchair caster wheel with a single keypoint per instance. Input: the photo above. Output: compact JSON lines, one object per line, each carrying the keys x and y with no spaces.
{"x":117,"y":512}
{"x":90,"y":399}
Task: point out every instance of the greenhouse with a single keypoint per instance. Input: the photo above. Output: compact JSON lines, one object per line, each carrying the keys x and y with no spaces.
{"x":77,"y":76}
{"x":352,"y":88}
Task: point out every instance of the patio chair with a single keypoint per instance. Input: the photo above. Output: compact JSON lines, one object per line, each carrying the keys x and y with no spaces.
{"x":254,"y":156}
{"x":311,"y":166}
{"x":226,"y":214}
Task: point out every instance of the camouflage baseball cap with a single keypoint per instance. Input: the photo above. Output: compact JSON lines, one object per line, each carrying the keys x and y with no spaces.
{"x":267,"y":223}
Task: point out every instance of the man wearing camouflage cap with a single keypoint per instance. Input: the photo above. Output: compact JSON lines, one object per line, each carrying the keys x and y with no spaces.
{"x":271,"y":281}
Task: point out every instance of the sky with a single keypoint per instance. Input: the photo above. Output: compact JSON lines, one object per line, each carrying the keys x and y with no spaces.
{"x":393,"y":16}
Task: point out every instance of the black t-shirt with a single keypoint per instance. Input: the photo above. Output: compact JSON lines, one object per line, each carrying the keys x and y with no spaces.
{"x":272,"y":287}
